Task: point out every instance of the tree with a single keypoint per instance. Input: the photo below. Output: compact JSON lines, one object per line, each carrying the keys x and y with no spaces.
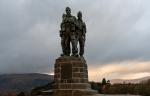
{"x":104,"y":81}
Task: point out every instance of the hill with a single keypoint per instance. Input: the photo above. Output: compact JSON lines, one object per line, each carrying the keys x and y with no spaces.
{"x":23,"y":82}
{"x":129,"y":80}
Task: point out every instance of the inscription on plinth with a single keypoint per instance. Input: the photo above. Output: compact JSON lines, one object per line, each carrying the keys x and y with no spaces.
{"x":66,"y":71}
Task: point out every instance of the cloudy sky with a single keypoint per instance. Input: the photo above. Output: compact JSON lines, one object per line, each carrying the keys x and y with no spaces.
{"x":117,"y":39}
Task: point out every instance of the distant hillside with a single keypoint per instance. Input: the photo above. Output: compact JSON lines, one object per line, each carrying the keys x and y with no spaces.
{"x":23,"y":82}
{"x":129,"y":80}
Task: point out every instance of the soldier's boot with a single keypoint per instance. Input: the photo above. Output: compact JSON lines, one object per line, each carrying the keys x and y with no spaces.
{"x":75,"y":55}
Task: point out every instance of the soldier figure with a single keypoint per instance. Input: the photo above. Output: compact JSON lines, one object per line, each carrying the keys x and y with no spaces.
{"x":68,"y":34}
{"x":81,"y":31}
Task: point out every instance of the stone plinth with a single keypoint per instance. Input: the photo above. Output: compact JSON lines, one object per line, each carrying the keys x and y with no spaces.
{"x":71,"y":77}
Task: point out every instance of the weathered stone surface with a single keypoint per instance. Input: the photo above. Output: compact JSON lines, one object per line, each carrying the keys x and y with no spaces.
{"x":70,"y":69}
{"x":57,"y":75}
{"x":63,"y":92}
{"x":71,"y":77}
{"x":74,"y":92}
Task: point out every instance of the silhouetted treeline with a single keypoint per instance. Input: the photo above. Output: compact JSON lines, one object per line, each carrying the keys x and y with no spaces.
{"x":142,"y":88}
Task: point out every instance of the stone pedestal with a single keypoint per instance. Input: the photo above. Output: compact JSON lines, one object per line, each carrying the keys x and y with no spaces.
{"x":71,"y":77}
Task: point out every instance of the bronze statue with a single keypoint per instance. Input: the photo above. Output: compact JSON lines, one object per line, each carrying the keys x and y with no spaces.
{"x":81,"y":31}
{"x":68,"y":34}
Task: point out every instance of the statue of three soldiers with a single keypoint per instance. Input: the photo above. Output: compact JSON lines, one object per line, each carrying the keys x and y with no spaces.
{"x":72,"y":31}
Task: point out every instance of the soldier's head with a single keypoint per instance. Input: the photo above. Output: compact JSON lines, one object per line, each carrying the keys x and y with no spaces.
{"x":79,"y":15}
{"x":68,"y":11}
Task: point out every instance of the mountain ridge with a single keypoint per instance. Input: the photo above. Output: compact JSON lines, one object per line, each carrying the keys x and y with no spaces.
{"x":138,"y":80}
{"x":23,"y":82}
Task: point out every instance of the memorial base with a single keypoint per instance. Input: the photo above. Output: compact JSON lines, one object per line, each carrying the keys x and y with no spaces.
{"x":71,"y":77}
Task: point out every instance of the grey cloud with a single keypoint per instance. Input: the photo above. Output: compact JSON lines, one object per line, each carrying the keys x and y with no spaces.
{"x":118,"y":31}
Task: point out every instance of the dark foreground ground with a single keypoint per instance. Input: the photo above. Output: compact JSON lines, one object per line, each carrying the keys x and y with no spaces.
{"x":115,"y":95}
